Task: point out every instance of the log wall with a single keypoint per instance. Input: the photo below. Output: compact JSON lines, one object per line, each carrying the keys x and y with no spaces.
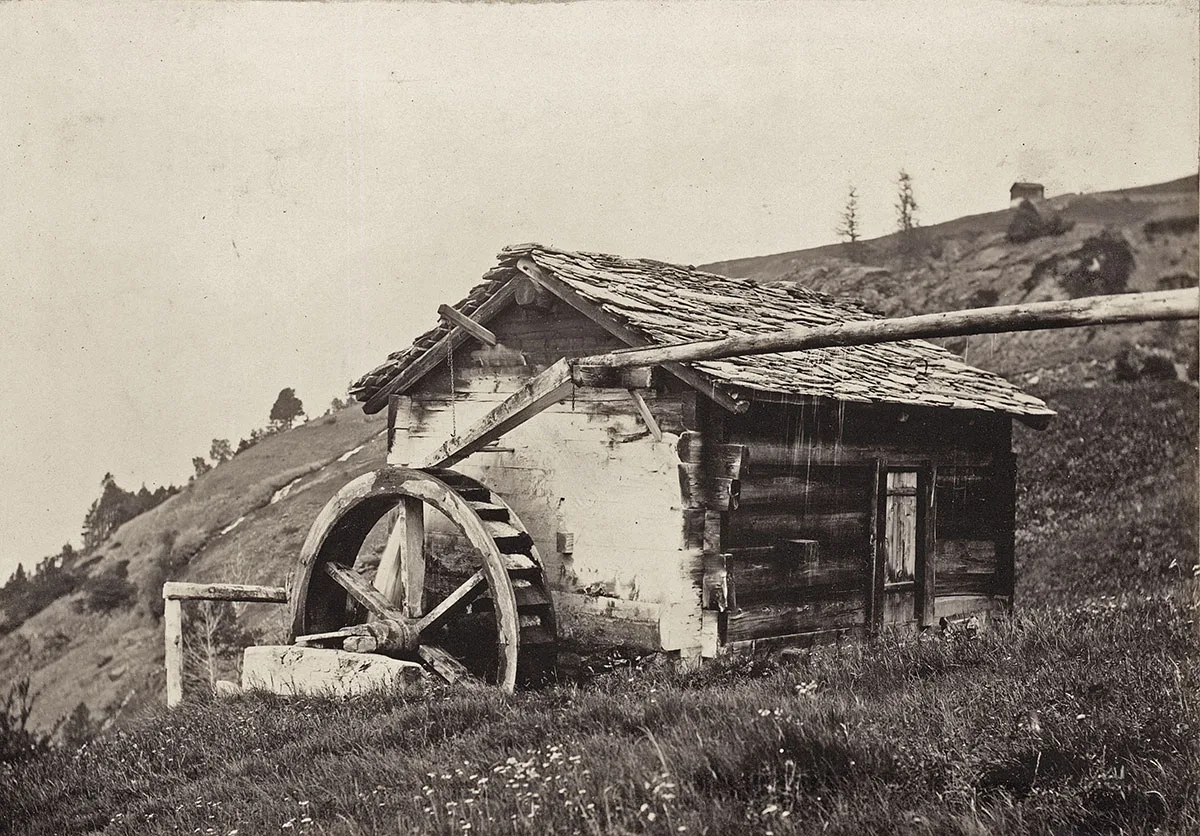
{"x":802,"y":543}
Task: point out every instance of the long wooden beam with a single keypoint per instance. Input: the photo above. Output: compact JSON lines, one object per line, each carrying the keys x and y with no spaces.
{"x":1034,"y":316}
{"x":538,"y":393}
{"x":181,"y":590}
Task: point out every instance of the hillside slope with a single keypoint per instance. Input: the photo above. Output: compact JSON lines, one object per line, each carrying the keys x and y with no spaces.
{"x":1108,"y":493}
{"x":243,"y":522}
{"x":1127,"y":240}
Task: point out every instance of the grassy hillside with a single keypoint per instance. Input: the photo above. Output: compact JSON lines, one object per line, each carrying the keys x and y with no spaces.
{"x":222,"y":527}
{"x":1077,"y":715}
{"x":1133,"y":239}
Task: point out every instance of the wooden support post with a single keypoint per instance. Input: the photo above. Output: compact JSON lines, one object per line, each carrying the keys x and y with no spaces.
{"x":387,"y":576}
{"x":647,"y":416}
{"x":400,"y":577}
{"x":173,"y":627}
{"x":927,"y":559}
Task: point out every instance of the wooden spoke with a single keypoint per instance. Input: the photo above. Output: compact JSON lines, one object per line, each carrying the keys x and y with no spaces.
{"x":412,"y":556}
{"x":478,"y":628}
{"x":360,"y":591}
{"x":453,"y":603}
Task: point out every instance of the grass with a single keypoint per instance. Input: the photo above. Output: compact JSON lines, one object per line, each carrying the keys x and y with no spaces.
{"x":1062,"y":720}
{"x":1076,"y":715}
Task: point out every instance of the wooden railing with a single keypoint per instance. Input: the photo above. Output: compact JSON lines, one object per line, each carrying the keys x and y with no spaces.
{"x":175,"y":592}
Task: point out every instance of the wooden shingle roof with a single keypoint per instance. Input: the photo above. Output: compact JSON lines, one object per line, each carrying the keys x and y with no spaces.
{"x":667,"y":303}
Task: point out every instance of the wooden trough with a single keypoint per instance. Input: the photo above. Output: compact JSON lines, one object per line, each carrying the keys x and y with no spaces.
{"x":714,"y":466}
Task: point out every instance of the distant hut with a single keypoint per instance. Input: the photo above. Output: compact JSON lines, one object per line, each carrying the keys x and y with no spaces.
{"x":1032,"y":192}
{"x":716,"y":505}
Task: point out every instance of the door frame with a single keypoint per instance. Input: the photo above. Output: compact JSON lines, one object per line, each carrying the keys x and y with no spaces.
{"x":924,"y":572}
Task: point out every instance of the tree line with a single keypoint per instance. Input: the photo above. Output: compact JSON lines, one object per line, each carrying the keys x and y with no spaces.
{"x":26,"y":593}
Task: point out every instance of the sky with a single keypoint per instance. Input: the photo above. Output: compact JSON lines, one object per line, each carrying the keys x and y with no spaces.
{"x":206,"y":202}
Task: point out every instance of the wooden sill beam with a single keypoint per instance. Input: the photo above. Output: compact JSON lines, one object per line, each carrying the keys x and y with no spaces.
{"x":456,"y":317}
{"x":1033,"y":316}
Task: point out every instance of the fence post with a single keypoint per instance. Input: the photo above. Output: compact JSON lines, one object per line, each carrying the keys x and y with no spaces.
{"x":173,"y":627}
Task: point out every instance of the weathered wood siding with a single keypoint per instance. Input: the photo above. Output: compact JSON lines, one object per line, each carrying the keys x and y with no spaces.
{"x":598,"y":493}
{"x":802,"y":540}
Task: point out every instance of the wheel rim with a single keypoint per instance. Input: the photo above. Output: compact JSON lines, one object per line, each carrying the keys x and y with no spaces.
{"x":318,"y":602}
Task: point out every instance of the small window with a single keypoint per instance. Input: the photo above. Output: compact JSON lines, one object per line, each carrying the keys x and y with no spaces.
{"x":900,"y":527}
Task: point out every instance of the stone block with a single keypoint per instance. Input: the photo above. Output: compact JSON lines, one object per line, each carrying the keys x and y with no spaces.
{"x":313,"y":671}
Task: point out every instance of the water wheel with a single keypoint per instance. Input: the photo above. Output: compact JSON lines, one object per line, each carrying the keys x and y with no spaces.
{"x":484,"y":617}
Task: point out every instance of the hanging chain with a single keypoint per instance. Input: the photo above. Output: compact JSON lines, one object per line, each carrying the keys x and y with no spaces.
{"x":453,"y":415}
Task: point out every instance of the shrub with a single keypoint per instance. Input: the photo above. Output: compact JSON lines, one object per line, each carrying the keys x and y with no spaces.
{"x":79,"y":727}
{"x":1030,"y":222}
{"x":1137,"y":362}
{"x":109,"y":590}
{"x":1103,"y":264}
{"x":17,"y":741}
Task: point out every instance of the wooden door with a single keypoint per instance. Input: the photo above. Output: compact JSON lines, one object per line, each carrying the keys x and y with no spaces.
{"x":902,"y":585}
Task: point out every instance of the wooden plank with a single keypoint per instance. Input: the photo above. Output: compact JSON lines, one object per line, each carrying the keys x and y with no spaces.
{"x":900,"y":527}
{"x":766,"y":574}
{"x":839,"y":530}
{"x":951,"y":606}
{"x":387,"y":576}
{"x":550,"y":387}
{"x":967,"y":583}
{"x":701,"y":383}
{"x":452,"y":603}
{"x":1006,"y":514}
{"x":173,"y":634}
{"x":1031,"y":316}
{"x":965,"y":556}
{"x":456,"y":317}
{"x":176,"y":590}
{"x":877,"y":550}
{"x":436,"y":353}
{"x":782,"y":458}
{"x":445,"y":665}
{"x":820,"y":490}
{"x":358,"y":589}
{"x":647,"y":416}
{"x":802,"y":640}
